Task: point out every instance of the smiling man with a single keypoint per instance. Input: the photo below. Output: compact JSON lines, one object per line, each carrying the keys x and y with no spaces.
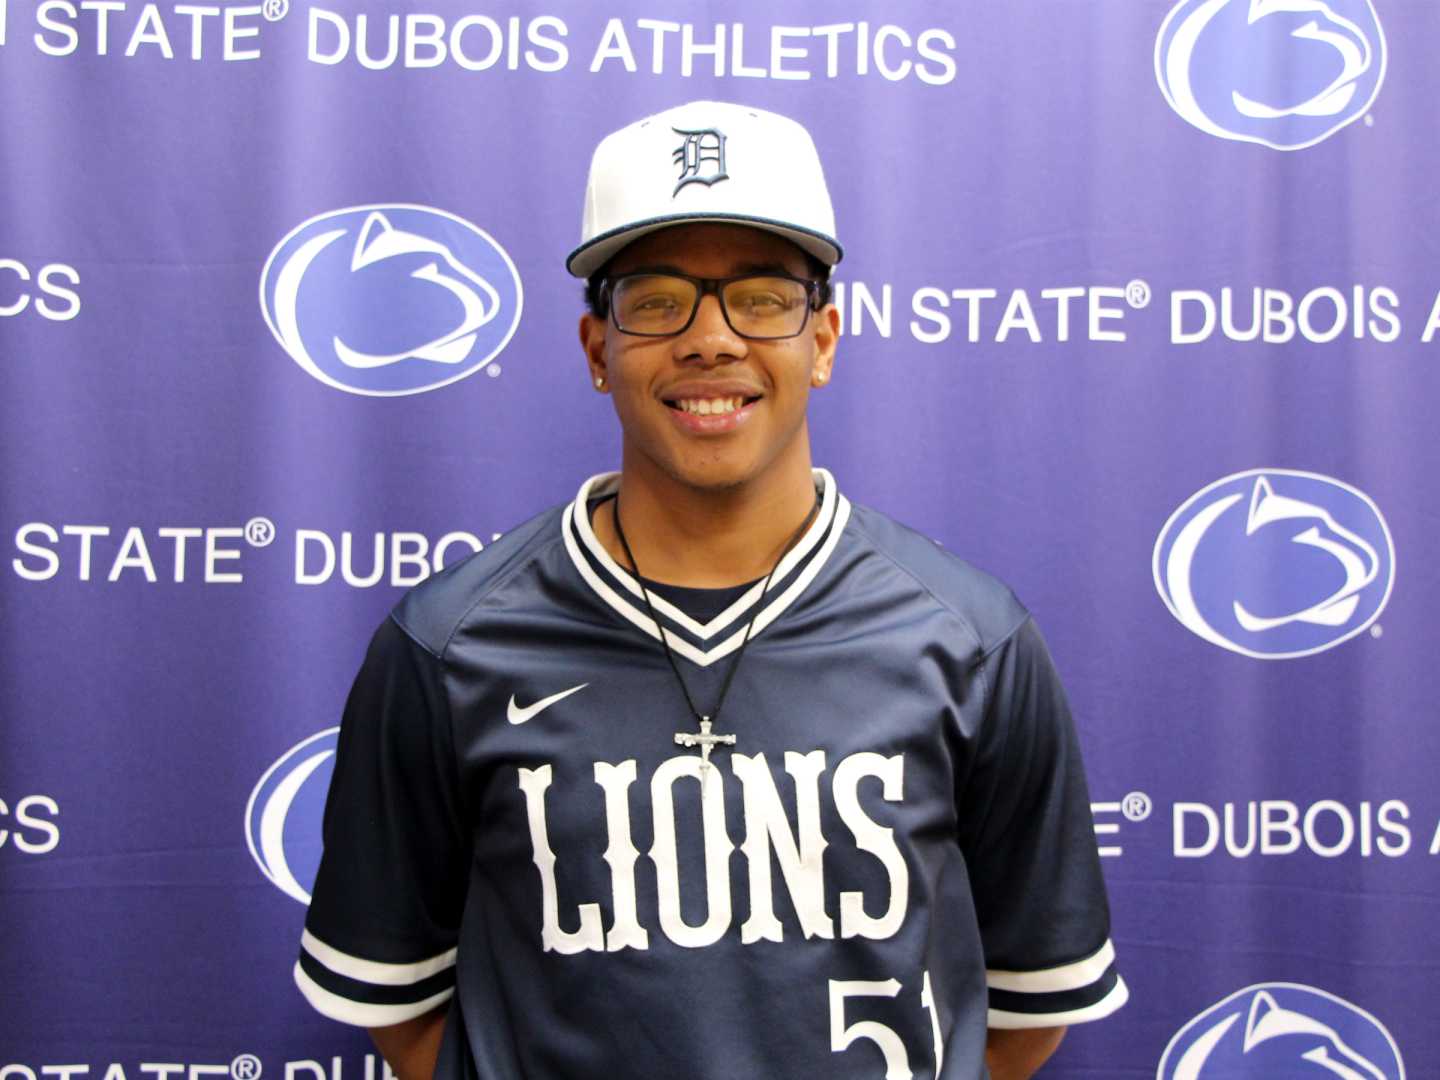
{"x":710,"y":772}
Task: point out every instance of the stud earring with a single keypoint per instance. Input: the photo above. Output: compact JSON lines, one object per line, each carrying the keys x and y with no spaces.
{"x":599,"y":383}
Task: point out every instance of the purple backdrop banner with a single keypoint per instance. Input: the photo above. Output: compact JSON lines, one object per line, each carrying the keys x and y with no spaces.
{"x":1139,"y":310}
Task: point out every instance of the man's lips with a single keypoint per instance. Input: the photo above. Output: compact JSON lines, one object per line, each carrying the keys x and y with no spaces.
{"x":710,"y":390}
{"x":711,"y":408}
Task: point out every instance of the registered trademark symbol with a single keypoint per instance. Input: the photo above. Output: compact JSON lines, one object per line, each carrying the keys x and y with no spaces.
{"x":493,"y":371}
{"x":1137,"y":293}
{"x":260,"y":532}
{"x":1377,"y":631}
{"x":274,"y":10}
{"x":1136,"y":806}
{"x":246,"y":1067}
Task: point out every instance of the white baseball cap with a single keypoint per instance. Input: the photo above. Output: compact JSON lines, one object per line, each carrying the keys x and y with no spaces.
{"x":705,"y":161}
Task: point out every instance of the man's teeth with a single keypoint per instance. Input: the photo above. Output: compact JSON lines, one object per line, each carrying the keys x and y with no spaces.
{"x":709,"y":406}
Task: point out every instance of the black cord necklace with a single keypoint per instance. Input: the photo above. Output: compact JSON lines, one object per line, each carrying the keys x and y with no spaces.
{"x":705,"y":740}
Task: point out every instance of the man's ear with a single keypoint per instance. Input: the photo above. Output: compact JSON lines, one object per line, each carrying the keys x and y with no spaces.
{"x":592,"y":342}
{"x":827,"y":336}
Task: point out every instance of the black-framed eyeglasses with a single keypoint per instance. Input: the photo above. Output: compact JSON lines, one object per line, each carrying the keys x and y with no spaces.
{"x":761,"y":306}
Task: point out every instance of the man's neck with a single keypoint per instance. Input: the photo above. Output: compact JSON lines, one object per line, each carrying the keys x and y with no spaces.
{"x":706,"y":539}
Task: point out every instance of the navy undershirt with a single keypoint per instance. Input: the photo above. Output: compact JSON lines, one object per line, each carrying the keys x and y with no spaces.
{"x":702,"y":605}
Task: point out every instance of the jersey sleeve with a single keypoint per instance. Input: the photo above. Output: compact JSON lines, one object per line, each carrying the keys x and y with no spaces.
{"x":1028,"y":838}
{"x":379,"y":940}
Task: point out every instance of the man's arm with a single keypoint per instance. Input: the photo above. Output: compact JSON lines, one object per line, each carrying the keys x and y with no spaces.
{"x":1015,"y":1053}
{"x":412,"y":1047}
{"x":382,"y":931}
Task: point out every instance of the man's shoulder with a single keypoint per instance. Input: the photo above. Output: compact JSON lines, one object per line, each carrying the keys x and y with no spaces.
{"x":433,"y":610}
{"x":987,"y":606}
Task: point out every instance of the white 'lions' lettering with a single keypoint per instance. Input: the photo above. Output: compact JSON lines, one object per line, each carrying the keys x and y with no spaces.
{"x":767,"y":825}
{"x":877,"y":841}
{"x":717,"y":854}
{"x":621,"y":855}
{"x":533,"y":782}
{"x":768,"y":829}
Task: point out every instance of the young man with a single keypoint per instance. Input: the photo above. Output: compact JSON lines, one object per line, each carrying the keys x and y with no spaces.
{"x":710,"y":772}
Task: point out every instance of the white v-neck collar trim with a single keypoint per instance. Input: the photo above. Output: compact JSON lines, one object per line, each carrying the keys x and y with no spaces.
{"x":815,"y":545}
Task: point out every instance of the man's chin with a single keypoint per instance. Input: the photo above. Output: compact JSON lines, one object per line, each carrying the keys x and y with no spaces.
{"x":724,"y":467}
{"x":716,"y":478}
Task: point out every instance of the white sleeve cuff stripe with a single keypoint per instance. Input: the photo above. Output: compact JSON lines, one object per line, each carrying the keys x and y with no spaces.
{"x":360,"y":1013}
{"x":373,"y":971}
{"x":999,"y":1018}
{"x":1053,"y":980}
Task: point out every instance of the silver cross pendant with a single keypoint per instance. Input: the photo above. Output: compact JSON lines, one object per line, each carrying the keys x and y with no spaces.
{"x":706,"y":742}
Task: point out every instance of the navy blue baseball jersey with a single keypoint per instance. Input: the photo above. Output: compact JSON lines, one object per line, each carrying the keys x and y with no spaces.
{"x":895,"y":852}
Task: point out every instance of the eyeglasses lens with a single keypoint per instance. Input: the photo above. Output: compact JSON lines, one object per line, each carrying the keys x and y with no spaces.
{"x":766,"y":306}
{"x":653,"y":303}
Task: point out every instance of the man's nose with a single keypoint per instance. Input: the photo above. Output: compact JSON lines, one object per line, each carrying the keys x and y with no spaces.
{"x":709,"y":339}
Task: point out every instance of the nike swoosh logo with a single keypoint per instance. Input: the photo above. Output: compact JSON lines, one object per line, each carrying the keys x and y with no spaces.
{"x":516,"y":715}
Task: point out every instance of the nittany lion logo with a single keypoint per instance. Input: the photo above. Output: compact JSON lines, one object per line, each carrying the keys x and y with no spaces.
{"x":1282,"y":1031}
{"x":283,"y":816}
{"x":389,"y":300}
{"x":1284,"y":73}
{"x":1274,"y":563}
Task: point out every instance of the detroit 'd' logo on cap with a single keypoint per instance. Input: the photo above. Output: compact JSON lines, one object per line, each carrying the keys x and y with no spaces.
{"x":1283,"y":73}
{"x":701,"y":157}
{"x":1282,"y":1030}
{"x":283,"y":816}
{"x":390,"y":299}
{"x":1275,"y":563}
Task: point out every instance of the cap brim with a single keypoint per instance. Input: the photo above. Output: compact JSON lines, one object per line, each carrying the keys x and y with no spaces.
{"x":591,"y":256}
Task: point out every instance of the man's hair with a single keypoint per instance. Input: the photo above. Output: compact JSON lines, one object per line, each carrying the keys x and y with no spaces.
{"x":817,"y":270}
